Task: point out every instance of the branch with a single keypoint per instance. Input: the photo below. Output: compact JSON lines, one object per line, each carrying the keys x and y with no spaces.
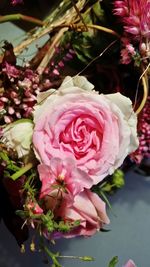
{"x":145,"y":95}
{"x":18,"y":16}
{"x":50,"y":52}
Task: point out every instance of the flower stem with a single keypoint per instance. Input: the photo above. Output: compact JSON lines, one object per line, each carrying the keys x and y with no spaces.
{"x":82,"y":28}
{"x":22,"y":171}
{"x":18,"y":16}
{"x":104,"y":29}
{"x":83,"y":258}
{"x":55,"y":256}
{"x":52,"y":256}
{"x":50,"y":52}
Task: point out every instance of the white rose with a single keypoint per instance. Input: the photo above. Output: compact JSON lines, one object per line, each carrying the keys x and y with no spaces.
{"x":18,"y":136}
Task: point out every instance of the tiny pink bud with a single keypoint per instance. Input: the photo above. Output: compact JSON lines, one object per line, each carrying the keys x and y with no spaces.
{"x":61,"y":64}
{"x":18,"y":115}
{"x":13,"y":94}
{"x":7,"y":119}
{"x":68,"y":55}
{"x":17,"y":101}
{"x":56,"y":72}
{"x":52,"y":63}
{"x":4,"y":99}
{"x":71,"y":51}
{"x":11,"y":110}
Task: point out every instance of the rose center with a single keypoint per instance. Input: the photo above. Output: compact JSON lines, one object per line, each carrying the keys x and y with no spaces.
{"x":81,"y":135}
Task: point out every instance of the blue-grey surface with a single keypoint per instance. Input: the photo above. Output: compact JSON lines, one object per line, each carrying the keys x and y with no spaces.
{"x":129,"y":236}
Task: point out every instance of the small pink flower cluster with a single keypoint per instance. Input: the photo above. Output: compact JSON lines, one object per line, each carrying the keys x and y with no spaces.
{"x":22,"y":84}
{"x":144,"y":132}
{"x":19,"y":97}
{"x":62,"y":55}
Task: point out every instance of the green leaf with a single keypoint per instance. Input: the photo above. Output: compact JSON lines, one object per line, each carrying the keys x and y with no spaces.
{"x":104,"y":230}
{"x":99,"y":12}
{"x":105,"y":199}
{"x":113,"y":262}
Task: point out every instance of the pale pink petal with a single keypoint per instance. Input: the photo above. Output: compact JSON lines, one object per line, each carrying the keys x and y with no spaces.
{"x":130,"y":263}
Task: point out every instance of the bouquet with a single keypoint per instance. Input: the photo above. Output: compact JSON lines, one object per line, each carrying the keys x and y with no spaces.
{"x":69,"y":130}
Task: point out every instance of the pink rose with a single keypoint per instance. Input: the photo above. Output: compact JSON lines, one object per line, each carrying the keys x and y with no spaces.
{"x":97,"y":131}
{"x":63,"y":175}
{"x":86,"y":207}
{"x":130,"y":263}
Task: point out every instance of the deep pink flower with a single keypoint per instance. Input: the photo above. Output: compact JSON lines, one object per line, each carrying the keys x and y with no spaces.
{"x":62,"y":174}
{"x":144,"y":134}
{"x":135,"y":16}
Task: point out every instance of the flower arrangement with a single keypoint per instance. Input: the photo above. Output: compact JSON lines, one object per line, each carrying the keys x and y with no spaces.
{"x":67,"y":138}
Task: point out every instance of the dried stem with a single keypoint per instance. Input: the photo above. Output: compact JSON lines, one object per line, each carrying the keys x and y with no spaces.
{"x":145,"y":95}
{"x":79,"y":14}
{"x":57,"y":38}
{"x":50,"y":52}
{"x":18,"y":16}
{"x":78,"y":27}
{"x":104,"y":29}
{"x":69,"y":16}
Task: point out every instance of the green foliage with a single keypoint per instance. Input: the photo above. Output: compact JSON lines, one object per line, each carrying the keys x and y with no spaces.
{"x":118,"y":179}
{"x":10,"y":165}
{"x":98,"y":11}
{"x":47,"y":221}
{"x":109,"y":186}
{"x":113,"y":262}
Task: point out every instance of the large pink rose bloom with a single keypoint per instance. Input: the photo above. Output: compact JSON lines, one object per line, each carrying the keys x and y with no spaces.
{"x":97,"y":131}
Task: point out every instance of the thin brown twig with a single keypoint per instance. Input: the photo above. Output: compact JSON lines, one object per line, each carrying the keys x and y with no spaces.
{"x":79,"y":14}
{"x":50,"y":52}
{"x":143,"y":77}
